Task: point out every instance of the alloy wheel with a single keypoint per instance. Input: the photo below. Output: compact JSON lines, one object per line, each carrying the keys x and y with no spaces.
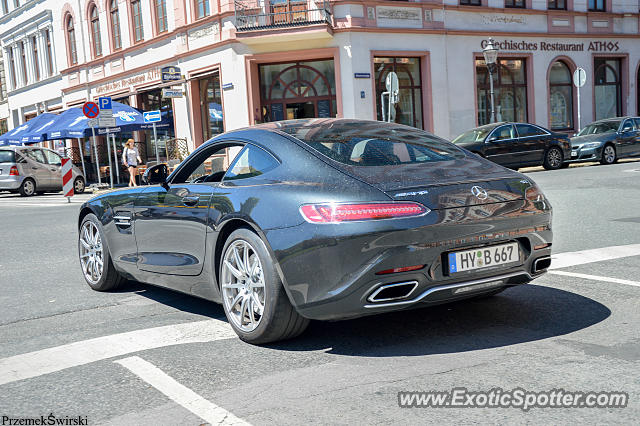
{"x":554,"y":158}
{"x":78,"y":186}
{"x":609,"y":154}
{"x":91,"y":255}
{"x":243,"y":285}
{"x":28,"y":187}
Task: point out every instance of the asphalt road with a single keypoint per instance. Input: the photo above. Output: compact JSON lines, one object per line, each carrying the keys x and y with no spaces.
{"x":147,"y":356}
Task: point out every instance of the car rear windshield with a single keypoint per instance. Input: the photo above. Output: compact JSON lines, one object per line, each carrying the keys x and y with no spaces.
{"x":602,"y":127}
{"x":375,"y":144}
{"x":7,"y":156}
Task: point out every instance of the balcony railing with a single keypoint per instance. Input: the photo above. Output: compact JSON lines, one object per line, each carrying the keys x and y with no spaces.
{"x":265,"y":14}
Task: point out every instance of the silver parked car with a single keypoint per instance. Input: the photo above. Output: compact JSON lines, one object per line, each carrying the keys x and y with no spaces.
{"x":30,"y":170}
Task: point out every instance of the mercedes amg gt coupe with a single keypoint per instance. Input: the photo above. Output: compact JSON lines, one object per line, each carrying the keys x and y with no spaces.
{"x":320,"y":219}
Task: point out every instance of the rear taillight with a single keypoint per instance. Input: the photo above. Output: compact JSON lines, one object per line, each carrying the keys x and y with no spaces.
{"x":14,"y":171}
{"x":336,"y":213}
{"x":403,"y":269}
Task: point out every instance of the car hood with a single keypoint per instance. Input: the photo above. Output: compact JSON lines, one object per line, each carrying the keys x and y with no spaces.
{"x":602,"y":137}
{"x":445,"y":184}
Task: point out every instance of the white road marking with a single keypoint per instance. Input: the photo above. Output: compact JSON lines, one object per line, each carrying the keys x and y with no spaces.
{"x":45,"y":361}
{"x":596,"y":278}
{"x":564,"y":260}
{"x":179,"y":393}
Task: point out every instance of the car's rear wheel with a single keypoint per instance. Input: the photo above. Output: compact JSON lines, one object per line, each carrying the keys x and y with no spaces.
{"x":553,"y":158}
{"x":27,"y":188}
{"x":253,"y":297}
{"x":78,"y":185}
{"x":95,"y":261}
{"x":608,"y":155}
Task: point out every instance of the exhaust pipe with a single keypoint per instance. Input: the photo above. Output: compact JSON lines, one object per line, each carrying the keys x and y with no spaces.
{"x":394,"y":291}
{"x":540,"y":264}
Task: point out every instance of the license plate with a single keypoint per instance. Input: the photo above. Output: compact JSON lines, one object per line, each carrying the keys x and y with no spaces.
{"x":574,"y":153}
{"x":484,"y":257}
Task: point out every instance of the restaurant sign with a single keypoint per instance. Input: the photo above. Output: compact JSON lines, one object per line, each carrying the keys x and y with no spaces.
{"x":543,"y":46}
{"x":125,"y":83}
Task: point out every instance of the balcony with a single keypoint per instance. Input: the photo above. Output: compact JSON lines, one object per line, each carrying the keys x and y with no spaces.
{"x":254,"y":15}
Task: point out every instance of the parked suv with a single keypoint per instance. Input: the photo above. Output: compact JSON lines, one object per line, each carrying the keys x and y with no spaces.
{"x":517,"y":145}
{"x":30,"y":170}
{"x":607,"y":140}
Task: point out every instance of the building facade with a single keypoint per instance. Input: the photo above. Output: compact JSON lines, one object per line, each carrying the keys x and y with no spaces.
{"x":31,"y":80}
{"x":250,"y":61}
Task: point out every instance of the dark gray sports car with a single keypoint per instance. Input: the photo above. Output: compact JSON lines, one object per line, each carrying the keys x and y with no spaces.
{"x":320,"y":219}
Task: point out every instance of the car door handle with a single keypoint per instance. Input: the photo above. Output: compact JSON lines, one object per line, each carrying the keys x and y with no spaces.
{"x":34,"y":168}
{"x":190,"y":201}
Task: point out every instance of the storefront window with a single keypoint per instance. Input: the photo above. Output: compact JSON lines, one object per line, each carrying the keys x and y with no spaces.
{"x":211,"y":106}
{"x":510,"y":91}
{"x":151,"y":101}
{"x":608,"y":87}
{"x":408,"y":110}
{"x":298,"y":90}
{"x":560,"y":97}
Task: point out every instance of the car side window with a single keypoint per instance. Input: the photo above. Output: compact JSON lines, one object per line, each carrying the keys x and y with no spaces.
{"x":35,"y":155}
{"x":628,"y":125}
{"x":637,"y":121}
{"x":251,"y":162}
{"x":53,"y":158}
{"x":504,"y":132}
{"x":526,"y":130}
{"x":209,"y":165}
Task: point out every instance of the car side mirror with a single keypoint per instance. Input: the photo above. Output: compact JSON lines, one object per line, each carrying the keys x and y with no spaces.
{"x":492,"y":139}
{"x":156,"y":174}
{"x":627,"y":129}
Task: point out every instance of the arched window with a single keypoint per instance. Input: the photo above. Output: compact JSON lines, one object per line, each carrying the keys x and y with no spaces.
{"x":71,"y":41}
{"x":136,"y":16}
{"x":95,"y":31}
{"x":560,"y":96}
{"x":115,"y":25}
{"x":608,"y":88}
{"x":161,"y":15}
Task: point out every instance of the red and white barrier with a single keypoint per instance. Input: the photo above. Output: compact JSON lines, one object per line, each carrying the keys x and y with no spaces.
{"x":67,"y":178}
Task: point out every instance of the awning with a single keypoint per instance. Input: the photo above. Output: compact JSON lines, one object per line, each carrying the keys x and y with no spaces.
{"x":29,"y":132}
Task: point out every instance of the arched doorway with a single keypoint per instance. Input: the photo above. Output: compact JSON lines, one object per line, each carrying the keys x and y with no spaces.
{"x":560,"y":96}
{"x":298,"y":90}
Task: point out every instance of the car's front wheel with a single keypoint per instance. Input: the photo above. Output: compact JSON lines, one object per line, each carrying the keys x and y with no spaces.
{"x":608,"y":155}
{"x":95,"y":260}
{"x":553,"y":158}
{"x":253,"y":297}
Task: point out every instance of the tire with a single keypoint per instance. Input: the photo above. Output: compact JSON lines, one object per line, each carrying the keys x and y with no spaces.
{"x":552,"y":158}
{"x":609,"y":155}
{"x":27,"y":188}
{"x":99,"y":279}
{"x":78,"y":185}
{"x":240,"y":288}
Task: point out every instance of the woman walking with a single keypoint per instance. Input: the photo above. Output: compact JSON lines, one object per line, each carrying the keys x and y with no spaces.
{"x":131,"y":159}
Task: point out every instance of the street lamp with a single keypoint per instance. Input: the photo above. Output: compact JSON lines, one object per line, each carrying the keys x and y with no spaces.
{"x":490,"y":53}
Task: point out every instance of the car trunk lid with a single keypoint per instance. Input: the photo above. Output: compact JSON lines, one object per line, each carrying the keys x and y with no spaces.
{"x":448,"y":184}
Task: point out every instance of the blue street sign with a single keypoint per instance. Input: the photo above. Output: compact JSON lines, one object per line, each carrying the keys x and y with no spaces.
{"x":104,"y":103}
{"x":151,"y":116}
